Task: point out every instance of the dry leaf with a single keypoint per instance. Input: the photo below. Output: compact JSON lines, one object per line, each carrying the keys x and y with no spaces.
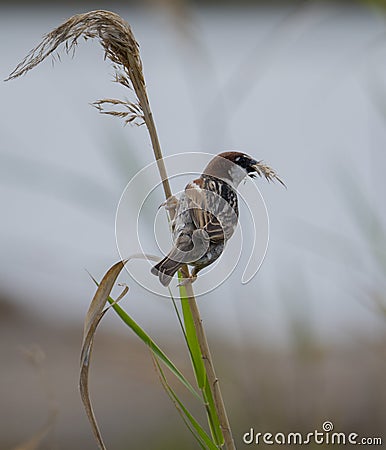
{"x":94,"y":315}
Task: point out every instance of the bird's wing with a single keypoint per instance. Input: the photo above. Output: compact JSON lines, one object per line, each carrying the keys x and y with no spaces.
{"x":204,"y":207}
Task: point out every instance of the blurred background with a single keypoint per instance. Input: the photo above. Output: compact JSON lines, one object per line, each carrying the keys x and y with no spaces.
{"x":301,"y":85}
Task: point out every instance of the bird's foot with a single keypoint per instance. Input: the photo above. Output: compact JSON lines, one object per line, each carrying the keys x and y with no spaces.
{"x":191,"y":279}
{"x":170,"y":204}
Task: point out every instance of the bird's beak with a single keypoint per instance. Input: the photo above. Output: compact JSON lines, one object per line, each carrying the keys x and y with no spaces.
{"x":255,"y":170}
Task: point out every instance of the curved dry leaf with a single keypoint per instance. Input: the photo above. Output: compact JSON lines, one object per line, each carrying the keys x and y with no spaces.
{"x":94,"y":315}
{"x":100,"y":298}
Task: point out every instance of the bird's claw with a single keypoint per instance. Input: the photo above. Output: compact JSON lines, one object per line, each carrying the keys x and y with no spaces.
{"x":191,"y":279}
{"x":170,"y":204}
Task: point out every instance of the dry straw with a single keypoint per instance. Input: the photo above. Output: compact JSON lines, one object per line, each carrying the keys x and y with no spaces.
{"x":121,"y":48}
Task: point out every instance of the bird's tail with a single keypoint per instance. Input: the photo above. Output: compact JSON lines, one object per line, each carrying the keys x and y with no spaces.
{"x":166,"y":269}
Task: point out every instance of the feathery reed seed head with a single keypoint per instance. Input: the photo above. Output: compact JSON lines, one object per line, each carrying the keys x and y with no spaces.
{"x":120,"y":47}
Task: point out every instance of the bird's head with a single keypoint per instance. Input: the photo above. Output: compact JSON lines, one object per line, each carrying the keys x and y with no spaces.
{"x":233,"y":167}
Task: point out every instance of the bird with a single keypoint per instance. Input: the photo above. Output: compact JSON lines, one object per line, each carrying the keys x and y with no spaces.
{"x":206,"y":214}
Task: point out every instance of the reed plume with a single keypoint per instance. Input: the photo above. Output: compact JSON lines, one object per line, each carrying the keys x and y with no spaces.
{"x":121,"y":48}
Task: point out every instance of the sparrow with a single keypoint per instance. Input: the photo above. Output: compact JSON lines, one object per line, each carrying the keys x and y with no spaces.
{"x":206,"y":214}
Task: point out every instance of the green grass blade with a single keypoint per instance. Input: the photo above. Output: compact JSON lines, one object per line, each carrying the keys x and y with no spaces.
{"x":195,"y":428}
{"x":208,"y":398}
{"x":192,"y":340}
{"x":199,"y":368}
{"x":213,"y":420}
{"x":178,"y":316}
{"x":153,"y":347}
{"x":150,"y":343}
